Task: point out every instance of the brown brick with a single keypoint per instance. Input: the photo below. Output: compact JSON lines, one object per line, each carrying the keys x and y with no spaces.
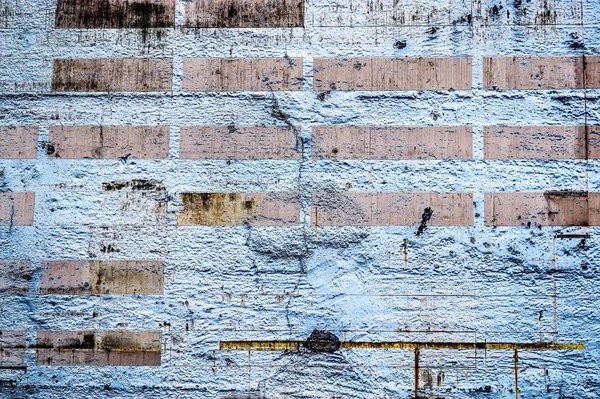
{"x":536,"y":142}
{"x":103,"y":348}
{"x":102,"y":277}
{"x":386,"y":73}
{"x":391,"y":209}
{"x":116,"y":14}
{"x":551,"y":208}
{"x":594,"y":208}
{"x":592,"y":72}
{"x":15,"y":275}
{"x":108,"y":142}
{"x":393,"y":142}
{"x":17,"y":209}
{"x":18,"y":142}
{"x":531,"y":73}
{"x":244,"y":14}
{"x":12,"y":348}
{"x":242,"y":74}
{"x":228,"y":209}
{"x":593,"y":142}
{"x":239,"y":142}
{"x":113,"y":74}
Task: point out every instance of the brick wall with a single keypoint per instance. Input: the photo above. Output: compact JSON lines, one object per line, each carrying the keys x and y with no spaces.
{"x":175,"y":174}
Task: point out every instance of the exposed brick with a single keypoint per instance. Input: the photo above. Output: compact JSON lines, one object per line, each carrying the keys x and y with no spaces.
{"x":244,"y":14}
{"x":102,"y":277}
{"x":539,"y":208}
{"x":18,"y":142}
{"x":593,"y":142}
{"x":16,"y":209}
{"x":12,"y":348}
{"x":113,"y":74}
{"x":115,"y":14}
{"x":537,"y":142}
{"x":387,"y":73}
{"x":242,"y":74}
{"x":227,"y":209}
{"x":108,"y":142}
{"x":15,"y":275}
{"x":530,"y":73}
{"x":592,"y":72}
{"x":394,"y":142}
{"x":104,"y":348}
{"x":391,"y":209}
{"x":239,"y":142}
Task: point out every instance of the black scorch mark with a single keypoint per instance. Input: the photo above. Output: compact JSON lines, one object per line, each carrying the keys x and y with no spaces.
{"x":427,"y":213}
{"x":322,"y":341}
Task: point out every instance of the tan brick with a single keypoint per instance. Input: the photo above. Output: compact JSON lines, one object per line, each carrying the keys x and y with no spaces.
{"x":531,"y":73}
{"x":244,"y":14}
{"x":551,"y":208}
{"x":391,"y":209}
{"x":115,"y":14}
{"x":113,"y":74}
{"x":593,"y":142}
{"x":393,"y":142}
{"x":592,"y":72}
{"x":17,"y":209}
{"x":228,"y":209}
{"x":12,"y":348}
{"x":108,"y":142}
{"x":18,"y":142}
{"x":536,"y":142}
{"x":239,"y":142}
{"x":594,"y":208}
{"x":102,"y":277}
{"x":242,"y":74}
{"x":15,"y":275}
{"x":387,"y":73}
{"x":98,"y":348}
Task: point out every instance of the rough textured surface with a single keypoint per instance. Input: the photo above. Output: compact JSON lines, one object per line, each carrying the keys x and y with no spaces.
{"x":450,"y":283}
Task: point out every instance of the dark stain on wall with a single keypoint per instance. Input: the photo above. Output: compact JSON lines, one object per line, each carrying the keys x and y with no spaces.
{"x":322,"y":341}
{"x":114,"y":14}
{"x":135,"y":184}
{"x":427,"y":214}
{"x":245,"y":14}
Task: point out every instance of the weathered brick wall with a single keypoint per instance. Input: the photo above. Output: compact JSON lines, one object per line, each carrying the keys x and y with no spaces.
{"x":175,"y":174}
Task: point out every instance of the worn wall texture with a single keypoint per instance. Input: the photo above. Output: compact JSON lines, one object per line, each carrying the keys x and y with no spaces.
{"x":177,"y":174}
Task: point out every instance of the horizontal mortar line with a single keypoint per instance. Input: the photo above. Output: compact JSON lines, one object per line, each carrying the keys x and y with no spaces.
{"x":283,"y":30}
{"x":377,"y":331}
{"x":402,"y":345}
{"x":483,"y":368}
{"x":340,"y":294}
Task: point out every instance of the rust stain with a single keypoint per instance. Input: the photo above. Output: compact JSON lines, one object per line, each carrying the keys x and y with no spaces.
{"x":226,"y":209}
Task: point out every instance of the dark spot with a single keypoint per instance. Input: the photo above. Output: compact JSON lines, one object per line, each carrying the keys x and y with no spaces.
{"x":400,"y":44}
{"x":358,"y":66}
{"x":322,"y":341}
{"x":334,"y":151}
{"x":495,"y":11}
{"x":135,"y":184}
{"x":576,"y":42}
{"x":432,"y":31}
{"x":427,"y":213}
{"x":249,"y":204}
{"x":50,"y":149}
{"x":324,"y":95}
